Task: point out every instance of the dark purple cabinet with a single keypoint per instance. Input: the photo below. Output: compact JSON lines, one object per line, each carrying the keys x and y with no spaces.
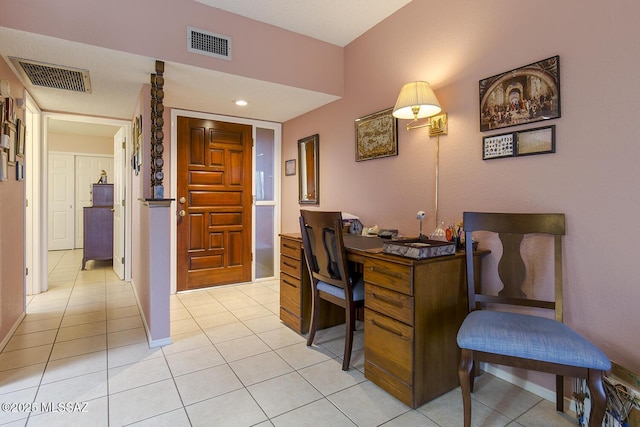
{"x":98,"y":225}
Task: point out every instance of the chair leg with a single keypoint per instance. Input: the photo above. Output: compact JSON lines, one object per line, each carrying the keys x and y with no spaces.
{"x":475,"y":372}
{"x":315,"y":310}
{"x":598,"y":398}
{"x":466,"y":378}
{"x":348,"y":343}
{"x":559,"y":393}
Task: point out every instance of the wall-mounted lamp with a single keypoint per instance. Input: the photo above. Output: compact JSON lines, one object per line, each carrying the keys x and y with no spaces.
{"x":417,"y":101}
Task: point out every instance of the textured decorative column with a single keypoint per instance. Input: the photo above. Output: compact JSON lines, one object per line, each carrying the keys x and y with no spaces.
{"x":157,"y":135}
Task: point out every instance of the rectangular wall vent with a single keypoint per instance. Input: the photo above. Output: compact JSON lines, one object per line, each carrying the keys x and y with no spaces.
{"x":54,"y":76}
{"x":207,"y":43}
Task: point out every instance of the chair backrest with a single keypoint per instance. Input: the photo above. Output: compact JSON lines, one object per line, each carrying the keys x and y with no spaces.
{"x":511,"y":229}
{"x":324,"y":248}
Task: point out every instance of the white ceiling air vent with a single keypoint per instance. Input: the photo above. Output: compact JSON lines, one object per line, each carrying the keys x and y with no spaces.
{"x":207,"y":43}
{"x":54,"y":76}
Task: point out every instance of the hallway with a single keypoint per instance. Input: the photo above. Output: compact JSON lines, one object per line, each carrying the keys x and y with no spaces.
{"x":232,"y":363}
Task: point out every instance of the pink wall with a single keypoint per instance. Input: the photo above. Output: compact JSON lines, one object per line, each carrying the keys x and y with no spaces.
{"x":159,"y":29}
{"x":592,"y":177}
{"x":139,"y":182}
{"x":152,"y":282}
{"x":150,"y":237}
{"x":150,"y":232}
{"x":12,"y":211}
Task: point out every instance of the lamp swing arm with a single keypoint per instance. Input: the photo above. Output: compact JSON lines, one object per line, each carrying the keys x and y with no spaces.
{"x":411,"y":125}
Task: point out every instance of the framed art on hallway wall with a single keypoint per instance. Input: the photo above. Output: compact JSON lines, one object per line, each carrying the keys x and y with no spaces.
{"x":10,"y":131}
{"x":21,"y":131}
{"x":290,"y":167}
{"x":4,"y":165}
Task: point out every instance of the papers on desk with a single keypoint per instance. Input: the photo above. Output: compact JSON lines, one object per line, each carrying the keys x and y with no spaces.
{"x":346,"y":216}
{"x":375,"y":250}
{"x":362,"y":243}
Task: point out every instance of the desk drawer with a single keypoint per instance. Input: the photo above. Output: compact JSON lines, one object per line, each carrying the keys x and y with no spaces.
{"x":293,"y":321}
{"x":393,"y":304}
{"x":290,"y":293}
{"x":392,"y":385}
{"x":389,"y":275}
{"x":291,"y":266}
{"x":290,"y":248}
{"x":388,"y":344}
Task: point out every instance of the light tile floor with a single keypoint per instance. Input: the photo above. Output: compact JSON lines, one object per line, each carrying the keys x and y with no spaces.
{"x":232,"y":363}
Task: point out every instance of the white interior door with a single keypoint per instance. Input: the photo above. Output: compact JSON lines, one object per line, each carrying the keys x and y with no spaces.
{"x":88,"y":170}
{"x":33,"y":219}
{"x":119,"y":167}
{"x":61,"y":202}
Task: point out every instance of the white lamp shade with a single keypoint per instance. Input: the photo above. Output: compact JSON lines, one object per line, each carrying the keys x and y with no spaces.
{"x":416,"y":94}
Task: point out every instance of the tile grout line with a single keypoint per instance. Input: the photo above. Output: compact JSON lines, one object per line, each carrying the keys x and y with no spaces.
{"x":54,"y":339}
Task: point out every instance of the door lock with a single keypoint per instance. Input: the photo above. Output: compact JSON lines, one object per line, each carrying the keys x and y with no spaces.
{"x":182,"y":199}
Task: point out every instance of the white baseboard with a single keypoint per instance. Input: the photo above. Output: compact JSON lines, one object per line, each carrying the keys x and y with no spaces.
{"x":544,"y":393}
{"x":12,"y":331}
{"x":159,"y":343}
{"x":152,"y":343}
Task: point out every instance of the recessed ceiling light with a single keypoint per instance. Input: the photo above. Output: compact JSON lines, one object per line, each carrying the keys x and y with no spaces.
{"x":241,"y":102}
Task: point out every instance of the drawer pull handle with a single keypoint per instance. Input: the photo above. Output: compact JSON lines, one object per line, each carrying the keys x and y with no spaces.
{"x":289,"y":265}
{"x":289,"y":283}
{"x":386,"y":272}
{"x":289,"y":247}
{"x":387,"y":300}
{"x":386,"y":328}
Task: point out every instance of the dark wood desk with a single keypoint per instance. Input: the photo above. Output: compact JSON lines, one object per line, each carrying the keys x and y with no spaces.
{"x":413,"y":309}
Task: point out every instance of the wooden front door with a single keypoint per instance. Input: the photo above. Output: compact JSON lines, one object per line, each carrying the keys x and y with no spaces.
{"x":214,"y":203}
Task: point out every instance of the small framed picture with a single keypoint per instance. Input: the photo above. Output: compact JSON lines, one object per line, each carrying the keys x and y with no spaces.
{"x":496,"y":146}
{"x":21,"y":131}
{"x":8,"y":110}
{"x":10,"y":130}
{"x":2,"y":114}
{"x":4,"y":165}
{"x":19,"y":171}
{"x":536,"y":141}
{"x":290,"y":167}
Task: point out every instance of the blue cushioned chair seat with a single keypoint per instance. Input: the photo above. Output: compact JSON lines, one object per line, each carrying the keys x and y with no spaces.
{"x":529,"y":337}
{"x":358,"y":290}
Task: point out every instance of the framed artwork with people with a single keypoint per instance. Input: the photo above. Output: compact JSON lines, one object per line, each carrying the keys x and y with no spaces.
{"x":520,"y":96}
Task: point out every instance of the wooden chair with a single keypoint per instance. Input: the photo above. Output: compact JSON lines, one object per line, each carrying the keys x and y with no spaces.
{"x":331,"y":279}
{"x":524,"y":340}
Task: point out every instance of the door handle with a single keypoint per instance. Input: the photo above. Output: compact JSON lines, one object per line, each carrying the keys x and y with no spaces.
{"x":182,"y":212}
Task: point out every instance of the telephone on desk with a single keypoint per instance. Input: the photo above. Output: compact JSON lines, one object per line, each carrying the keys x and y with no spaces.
{"x":370,"y":231}
{"x":387,"y":234}
{"x":376,"y":231}
{"x":356,"y":227}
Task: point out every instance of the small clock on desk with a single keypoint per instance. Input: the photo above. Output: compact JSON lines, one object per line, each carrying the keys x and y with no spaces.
{"x":355,"y":227}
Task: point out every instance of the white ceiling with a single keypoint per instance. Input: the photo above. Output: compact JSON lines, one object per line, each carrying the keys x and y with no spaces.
{"x":116,"y":77}
{"x":337,"y":22}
